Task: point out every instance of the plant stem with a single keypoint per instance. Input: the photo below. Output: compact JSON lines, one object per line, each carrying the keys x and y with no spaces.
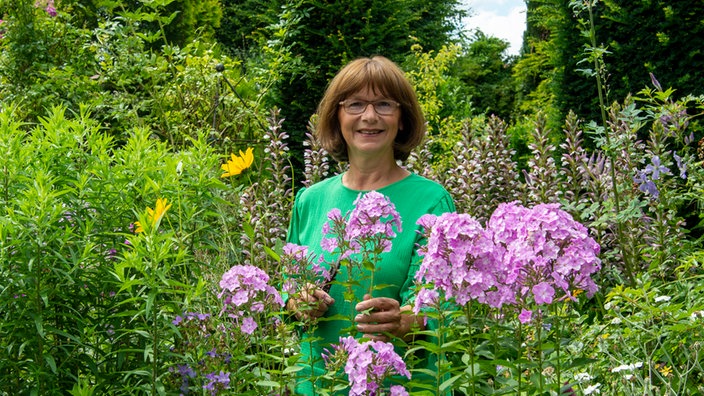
{"x":470,"y":349}
{"x":520,"y":354}
{"x":558,"y":341}
{"x":539,"y":348}
{"x":598,"y":63}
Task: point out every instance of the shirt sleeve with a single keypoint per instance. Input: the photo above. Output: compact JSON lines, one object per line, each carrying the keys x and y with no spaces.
{"x":293,"y":226}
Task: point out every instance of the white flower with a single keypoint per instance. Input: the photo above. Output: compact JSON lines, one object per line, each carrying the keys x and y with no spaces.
{"x":616,"y":321}
{"x":582,"y":377}
{"x":627,"y":367}
{"x":592,"y":389}
{"x":662,"y":298}
{"x":696,"y":315}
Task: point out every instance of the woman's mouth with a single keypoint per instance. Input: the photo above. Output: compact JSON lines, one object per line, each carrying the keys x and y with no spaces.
{"x":370,"y":132}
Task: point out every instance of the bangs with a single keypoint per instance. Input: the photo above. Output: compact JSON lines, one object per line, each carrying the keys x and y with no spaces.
{"x":371,"y":75}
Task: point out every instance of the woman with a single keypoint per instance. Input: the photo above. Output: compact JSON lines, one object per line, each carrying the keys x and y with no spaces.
{"x":370,"y":118}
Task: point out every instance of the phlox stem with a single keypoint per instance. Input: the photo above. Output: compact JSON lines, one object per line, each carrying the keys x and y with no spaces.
{"x":470,"y":349}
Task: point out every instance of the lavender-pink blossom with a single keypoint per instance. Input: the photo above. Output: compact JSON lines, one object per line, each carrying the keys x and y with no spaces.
{"x":458,"y":259}
{"x":245,"y":290}
{"x":301,"y":268}
{"x":544,"y":244}
{"x":373,"y":219}
{"x":368,"y":364}
{"x":525,"y":316}
{"x":543,"y":293}
{"x":523,"y":255}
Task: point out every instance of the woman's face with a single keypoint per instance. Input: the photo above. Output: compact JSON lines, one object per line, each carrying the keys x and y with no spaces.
{"x":370,"y":134}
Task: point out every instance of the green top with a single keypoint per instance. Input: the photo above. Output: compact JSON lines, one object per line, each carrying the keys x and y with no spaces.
{"x":413,"y":197}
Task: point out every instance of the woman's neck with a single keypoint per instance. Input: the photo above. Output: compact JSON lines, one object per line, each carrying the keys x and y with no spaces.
{"x":367,"y":177}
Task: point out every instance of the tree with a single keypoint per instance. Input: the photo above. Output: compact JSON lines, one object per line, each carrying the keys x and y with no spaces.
{"x":318,"y":37}
{"x":485,"y":72}
{"x":637,"y":37}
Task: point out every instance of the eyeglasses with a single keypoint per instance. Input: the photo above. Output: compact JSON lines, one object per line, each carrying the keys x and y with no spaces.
{"x":382,"y":107}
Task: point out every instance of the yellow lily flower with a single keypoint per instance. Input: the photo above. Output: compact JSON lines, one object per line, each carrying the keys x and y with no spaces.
{"x":238,"y":164}
{"x":154,"y":215}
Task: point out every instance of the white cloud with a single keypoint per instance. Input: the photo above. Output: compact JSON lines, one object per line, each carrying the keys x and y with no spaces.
{"x":503,"y":19}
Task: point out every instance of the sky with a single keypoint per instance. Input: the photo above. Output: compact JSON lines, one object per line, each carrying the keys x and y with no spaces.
{"x":505,"y":19}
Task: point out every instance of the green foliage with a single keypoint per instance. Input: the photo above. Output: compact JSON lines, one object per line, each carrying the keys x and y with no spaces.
{"x":486,"y":76}
{"x":633,"y":39}
{"x":44,"y":61}
{"x":175,"y":92}
{"x":428,"y":72}
{"x":78,"y":300}
{"x":308,"y":52}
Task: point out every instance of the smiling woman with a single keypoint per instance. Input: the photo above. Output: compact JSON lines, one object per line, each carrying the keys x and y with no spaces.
{"x":370,"y":118}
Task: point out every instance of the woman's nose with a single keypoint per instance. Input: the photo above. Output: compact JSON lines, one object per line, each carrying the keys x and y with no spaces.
{"x":369,"y":111}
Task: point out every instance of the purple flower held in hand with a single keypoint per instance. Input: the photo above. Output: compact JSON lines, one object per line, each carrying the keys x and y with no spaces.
{"x":373,"y":218}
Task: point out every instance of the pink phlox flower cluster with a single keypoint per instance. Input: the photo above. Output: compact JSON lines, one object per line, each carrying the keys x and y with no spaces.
{"x":458,"y":260}
{"x":370,"y":226}
{"x":546,"y":249}
{"x":300,"y":267}
{"x":49,"y":8}
{"x":541,"y":252}
{"x":369,"y":363}
{"x":246,"y":291}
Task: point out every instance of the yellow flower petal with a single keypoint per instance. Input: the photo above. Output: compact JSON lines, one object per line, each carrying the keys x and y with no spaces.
{"x":238,"y":164}
{"x":161,"y":208}
{"x":154,"y":215}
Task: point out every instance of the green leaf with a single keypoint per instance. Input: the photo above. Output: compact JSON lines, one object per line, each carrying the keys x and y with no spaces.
{"x":51,"y":362}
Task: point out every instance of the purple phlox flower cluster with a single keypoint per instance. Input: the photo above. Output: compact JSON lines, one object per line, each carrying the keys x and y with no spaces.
{"x":336,"y":227}
{"x":368,"y":364}
{"x":548,"y":251}
{"x":49,"y":7}
{"x":246,"y":291}
{"x":458,"y":259}
{"x":217,"y":382}
{"x":298,"y":266}
{"x":523,"y":254}
{"x":371,"y":226}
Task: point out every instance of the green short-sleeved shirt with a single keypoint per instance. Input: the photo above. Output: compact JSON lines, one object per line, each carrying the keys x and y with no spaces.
{"x":413,"y":197}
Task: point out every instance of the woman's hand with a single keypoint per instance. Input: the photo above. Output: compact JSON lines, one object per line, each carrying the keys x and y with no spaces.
{"x":380,"y":317}
{"x":311,"y":303}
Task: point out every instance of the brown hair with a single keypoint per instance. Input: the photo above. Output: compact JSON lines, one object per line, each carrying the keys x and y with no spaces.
{"x":382,"y":76}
